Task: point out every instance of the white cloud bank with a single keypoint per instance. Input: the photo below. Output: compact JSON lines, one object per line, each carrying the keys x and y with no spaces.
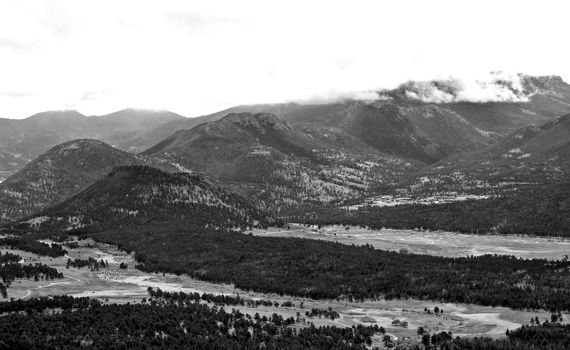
{"x":495,"y":87}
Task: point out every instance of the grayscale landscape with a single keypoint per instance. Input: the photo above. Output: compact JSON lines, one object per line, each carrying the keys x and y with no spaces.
{"x":254,"y":175}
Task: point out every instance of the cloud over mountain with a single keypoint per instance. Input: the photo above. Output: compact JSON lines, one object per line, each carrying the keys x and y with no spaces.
{"x":496,"y":87}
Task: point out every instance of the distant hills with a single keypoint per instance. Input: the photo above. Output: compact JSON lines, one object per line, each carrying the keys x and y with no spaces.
{"x":530,"y":156}
{"x":531,"y":143}
{"x":282,"y":166}
{"x":406,"y":127}
{"x":418,"y":139}
{"x":142,"y":195}
{"x":534,"y":100}
{"x":23,"y":140}
{"x":64,"y":170}
{"x":424,"y":132}
{"x":395,"y":124}
{"x":239,"y":147}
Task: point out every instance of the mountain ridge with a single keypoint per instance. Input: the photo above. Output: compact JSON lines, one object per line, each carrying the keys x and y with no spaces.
{"x":23,"y":140}
{"x":57,"y":174}
{"x":142,"y":195}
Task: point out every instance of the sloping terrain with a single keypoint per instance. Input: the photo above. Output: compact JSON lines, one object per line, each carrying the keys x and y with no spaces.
{"x":542,"y":210}
{"x":141,"y":195}
{"x":410,"y":122}
{"x":424,"y":132}
{"x":23,"y":140}
{"x":549,"y":97}
{"x":230,"y":148}
{"x":156,"y":135}
{"x":64,"y":170}
{"x":529,"y":156}
{"x":282,"y":166}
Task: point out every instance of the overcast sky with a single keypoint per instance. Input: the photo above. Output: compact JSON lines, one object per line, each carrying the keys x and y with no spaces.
{"x":198,"y":57}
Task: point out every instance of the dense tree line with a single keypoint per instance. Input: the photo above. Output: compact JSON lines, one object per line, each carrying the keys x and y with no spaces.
{"x":318,"y":269}
{"x":181,"y":297}
{"x":166,"y":325}
{"x":328,"y":313}
{"x":549,"y":335}
{"x":65,"y":302}
{"x":540,"y":210}
{"x":30,"y":244}
{"x":4,"y":259}
{"x":10,"y":271}
{"x":221,"y":299}
{"x":9,"y":257}
{"x":92,"y":263}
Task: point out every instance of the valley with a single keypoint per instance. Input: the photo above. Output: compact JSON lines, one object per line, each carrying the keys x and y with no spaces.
{"x":440,"y":243}
{"x":350,"y":225}
{"x":115,"y":285}
{"x":218,"y":175}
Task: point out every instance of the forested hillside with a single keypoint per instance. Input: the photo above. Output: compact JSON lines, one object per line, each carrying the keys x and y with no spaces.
{"x":56,"y":175}
{"x":534,"y":210}
{"x":281,"y":166}
{"x":140,"y":195}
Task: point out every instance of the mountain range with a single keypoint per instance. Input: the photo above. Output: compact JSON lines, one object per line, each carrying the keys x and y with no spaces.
{"x":264,"y":156}
{"x":23,"y":140}
{"x":290,"y":155}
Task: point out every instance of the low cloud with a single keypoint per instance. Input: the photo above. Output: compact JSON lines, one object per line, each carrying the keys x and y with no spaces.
{"x":496,"y":87}
{"x":335,"y":96}
{"x":367,"y":95}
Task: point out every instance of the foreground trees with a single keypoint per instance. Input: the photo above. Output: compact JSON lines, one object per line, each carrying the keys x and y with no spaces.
{"x":162,"y":324}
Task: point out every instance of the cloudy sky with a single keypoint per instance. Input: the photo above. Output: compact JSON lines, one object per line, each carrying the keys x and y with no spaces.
{"x":197,"y":57}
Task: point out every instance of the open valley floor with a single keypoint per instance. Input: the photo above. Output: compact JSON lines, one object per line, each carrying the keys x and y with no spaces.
{"x":448,"y":244}
{"x":113,"y":284}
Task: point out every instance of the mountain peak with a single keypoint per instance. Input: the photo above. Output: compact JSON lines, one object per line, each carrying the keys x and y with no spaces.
{"x":81,"y":143}
{"x":139,"y":113}
{"x":552,"y":85}
{"x":62,"y":171}
{"x":69,"y":113}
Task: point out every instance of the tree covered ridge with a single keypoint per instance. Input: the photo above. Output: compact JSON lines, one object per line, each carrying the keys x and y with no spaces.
{"x":132,"y":195}
{"x":535,"y":210}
